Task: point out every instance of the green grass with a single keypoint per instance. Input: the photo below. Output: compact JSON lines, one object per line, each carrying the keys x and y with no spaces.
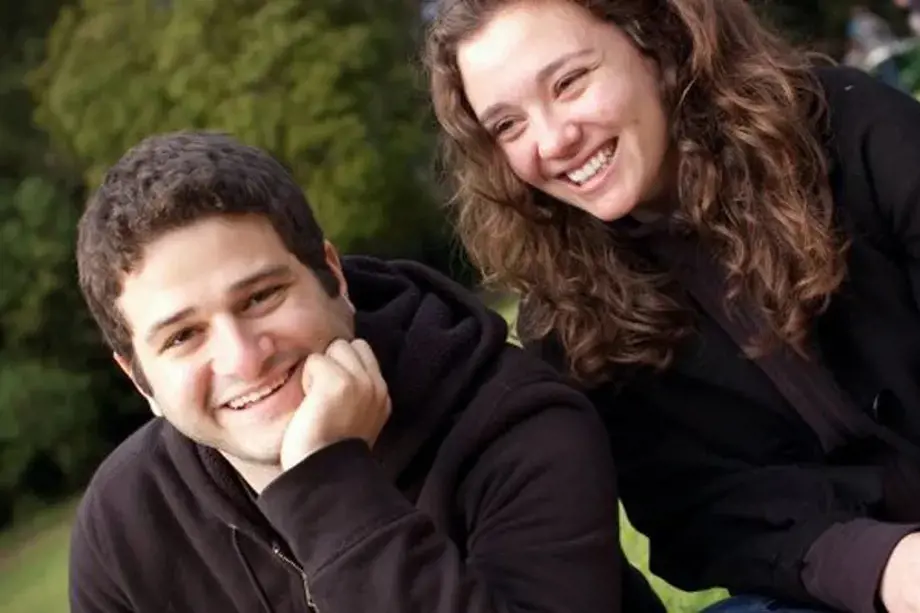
{"x":635,"y":544}
{"x":33,"y":562}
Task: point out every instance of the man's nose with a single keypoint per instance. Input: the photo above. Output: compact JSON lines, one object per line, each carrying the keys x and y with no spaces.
{"x":238,"y":351}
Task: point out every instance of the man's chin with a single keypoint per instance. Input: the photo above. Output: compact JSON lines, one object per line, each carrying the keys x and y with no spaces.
{"x":258,"y":469}
{"x":255,"y":458}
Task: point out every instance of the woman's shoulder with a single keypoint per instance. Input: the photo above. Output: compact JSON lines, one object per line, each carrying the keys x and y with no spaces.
{"x":837,"y":78}
{"x":859,"y":105}
{"x":872,"y":138}
{"x":851,"y":99}
{"x":845,"y":84}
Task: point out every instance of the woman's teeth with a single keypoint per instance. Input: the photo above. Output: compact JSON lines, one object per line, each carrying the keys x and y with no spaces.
{"x":599,"y":161}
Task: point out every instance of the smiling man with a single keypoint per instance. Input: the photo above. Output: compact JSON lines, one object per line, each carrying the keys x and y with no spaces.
{"x":331,"y":435}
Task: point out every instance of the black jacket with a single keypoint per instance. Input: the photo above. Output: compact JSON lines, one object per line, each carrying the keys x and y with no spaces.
{"x":490,"y":489}
{"x":717,"y":468}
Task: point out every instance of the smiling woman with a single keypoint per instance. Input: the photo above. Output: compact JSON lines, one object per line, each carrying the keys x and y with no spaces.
{"x":711,"y":232}
{"x":536,"y":97}
{"x":581,"y":116}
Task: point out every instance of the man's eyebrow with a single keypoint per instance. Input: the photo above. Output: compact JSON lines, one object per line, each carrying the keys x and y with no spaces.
{"x":279,"y":270}
{"x":166,"y":322}
{"x":542,"y":75}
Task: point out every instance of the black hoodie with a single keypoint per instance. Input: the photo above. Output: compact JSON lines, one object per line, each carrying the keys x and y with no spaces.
{"x":490,"y":489}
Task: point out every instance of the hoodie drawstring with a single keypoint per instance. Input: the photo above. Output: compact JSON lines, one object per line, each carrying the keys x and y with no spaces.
{"x":263,"y":598}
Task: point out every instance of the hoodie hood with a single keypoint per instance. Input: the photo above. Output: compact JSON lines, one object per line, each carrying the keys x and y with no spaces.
{"x":433,"y":340}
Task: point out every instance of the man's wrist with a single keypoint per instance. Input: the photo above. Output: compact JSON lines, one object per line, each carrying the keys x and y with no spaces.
{"x":290,"y":459}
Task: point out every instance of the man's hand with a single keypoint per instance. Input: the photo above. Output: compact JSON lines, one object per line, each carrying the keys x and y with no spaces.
{"x":900,"y":588}
{"x":345,"y":397}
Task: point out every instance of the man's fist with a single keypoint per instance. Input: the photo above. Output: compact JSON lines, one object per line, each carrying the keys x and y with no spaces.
{"x":345,"y":397}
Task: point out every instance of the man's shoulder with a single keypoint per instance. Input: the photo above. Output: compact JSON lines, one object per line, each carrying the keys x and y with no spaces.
{"x":126,"y":475}
{"x":521,"y":386}
{"x":516,"y":366}
{"x":528,"y":418}
{"x":134,"y":456}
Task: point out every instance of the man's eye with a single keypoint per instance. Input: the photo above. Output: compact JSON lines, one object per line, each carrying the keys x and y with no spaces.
{"x":262,"y":296}
{"x":179,"y":338}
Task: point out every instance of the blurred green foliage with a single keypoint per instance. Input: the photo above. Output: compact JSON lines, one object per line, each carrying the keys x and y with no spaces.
{"x":327,"y":86}
{"x":909,"y":65}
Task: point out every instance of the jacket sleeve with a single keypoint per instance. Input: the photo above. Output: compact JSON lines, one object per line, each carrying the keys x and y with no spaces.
{"x":537,"y":506}
{"x":790,"y":531}
{"x":91,"y":586}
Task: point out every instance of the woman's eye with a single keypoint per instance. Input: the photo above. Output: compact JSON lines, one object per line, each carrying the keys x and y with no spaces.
{"x":569,"y":79}
{"x":502,"y":126}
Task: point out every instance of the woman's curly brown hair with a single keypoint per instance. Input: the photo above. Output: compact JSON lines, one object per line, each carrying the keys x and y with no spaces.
{"x":746,"y":116}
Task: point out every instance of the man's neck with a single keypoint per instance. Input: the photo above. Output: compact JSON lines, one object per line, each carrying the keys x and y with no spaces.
{"x":257,"y":475}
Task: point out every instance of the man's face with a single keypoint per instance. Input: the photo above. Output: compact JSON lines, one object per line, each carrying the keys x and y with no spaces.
{"x":222,"y":317}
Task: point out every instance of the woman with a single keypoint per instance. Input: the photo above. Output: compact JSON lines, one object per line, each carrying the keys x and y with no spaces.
{"x":720,"y":240}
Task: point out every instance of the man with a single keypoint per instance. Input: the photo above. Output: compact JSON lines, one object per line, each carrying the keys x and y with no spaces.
{"x":337,"y":436}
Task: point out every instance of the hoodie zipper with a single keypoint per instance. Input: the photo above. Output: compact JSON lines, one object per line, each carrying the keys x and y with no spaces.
{"x":276,"y":549}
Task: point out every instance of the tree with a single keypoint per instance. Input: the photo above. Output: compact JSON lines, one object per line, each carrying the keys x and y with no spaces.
{"x":328,"y":86}
{"x":22,"y":29}
{"x":61,"y":405}
{"x":56,"y":384}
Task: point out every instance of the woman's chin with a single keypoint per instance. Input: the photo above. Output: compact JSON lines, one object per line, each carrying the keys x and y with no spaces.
{"x":612,"y":209}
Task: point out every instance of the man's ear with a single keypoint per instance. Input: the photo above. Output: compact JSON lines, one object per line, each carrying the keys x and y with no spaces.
{"x":335,"y":265}
{"x":126,"y":367}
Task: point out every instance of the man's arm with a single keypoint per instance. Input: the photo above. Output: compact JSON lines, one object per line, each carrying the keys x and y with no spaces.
{"x":538,"y":506}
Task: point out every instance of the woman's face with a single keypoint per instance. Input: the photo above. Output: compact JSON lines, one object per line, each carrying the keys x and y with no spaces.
{"x":572,"y":103}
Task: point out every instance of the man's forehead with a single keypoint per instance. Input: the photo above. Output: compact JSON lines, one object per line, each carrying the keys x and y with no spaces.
{"x":225,"y":248}
{"x":168,"y":283}
{"x":164,"y":287}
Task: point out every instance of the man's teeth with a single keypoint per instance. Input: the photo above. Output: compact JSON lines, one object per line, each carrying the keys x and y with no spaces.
{"x":592,"y":166}
{"x":259,"y":394}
